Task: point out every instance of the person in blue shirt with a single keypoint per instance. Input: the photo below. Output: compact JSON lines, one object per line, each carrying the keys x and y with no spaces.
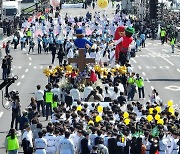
{"x":45,"y":43}
{"x":143,"y":37}
{"x":80,"y":41}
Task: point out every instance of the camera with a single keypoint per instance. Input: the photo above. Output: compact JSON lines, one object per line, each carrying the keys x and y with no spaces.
{"x":14,"y":95}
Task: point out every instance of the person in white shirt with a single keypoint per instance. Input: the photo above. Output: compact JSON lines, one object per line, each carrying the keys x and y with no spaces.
{"x":40,"y":144}
{"x":39,"y":97}
{"x":28,"y":136}
{"x":87,"y":90}
{"x":56,"y":91}
{"x":66,"y":145}
{"x":74,"y":92}
{"x":51,"y":140}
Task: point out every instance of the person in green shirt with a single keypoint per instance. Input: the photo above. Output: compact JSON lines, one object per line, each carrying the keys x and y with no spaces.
{"x":140,"y":84}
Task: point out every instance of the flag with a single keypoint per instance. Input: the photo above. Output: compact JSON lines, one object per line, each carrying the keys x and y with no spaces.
{"x":155,"y":131}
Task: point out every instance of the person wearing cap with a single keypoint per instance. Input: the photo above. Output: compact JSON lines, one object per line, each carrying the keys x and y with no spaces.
{"x":40,"y":144}
{"x":125,"y":44}
{"x":81,"y":42}
{"x":66,"y":145}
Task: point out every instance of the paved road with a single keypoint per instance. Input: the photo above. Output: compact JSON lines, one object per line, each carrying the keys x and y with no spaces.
{"x":29,"y":69}
{"x":155,"y":63}
{"x":160,"y":68}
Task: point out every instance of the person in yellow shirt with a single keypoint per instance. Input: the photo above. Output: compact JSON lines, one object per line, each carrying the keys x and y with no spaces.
{"x":11,"y":142}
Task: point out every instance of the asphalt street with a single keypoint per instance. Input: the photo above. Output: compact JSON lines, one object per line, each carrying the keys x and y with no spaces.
{"x":155,"y":63}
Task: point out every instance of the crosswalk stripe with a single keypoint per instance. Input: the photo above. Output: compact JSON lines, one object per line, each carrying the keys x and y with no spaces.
{"x":1,"y":113}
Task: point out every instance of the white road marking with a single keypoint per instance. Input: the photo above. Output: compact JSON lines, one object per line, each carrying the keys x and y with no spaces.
{"x":164,"y":50}
{"x":178,"y":70}
{"x":29,"y":64}
{"x":34,"y":67}
{"x":22,"y":76}
{"x":155,"y":45}
{"x":140,"y":67}
{"x":26,"y":70}
{"x":164,"y":67}
{"x":18,"y":83}
{"x":150,"y":67}
{"x":143,"y":73}
{"x":147,"y":80}
{"x":167,"y":61}
{"x":152,"y":87}
{"x":7,"y":103}
{"x":20,"y":67}
{"x":30,"y":58}
{"x":134,"y":60}
{"x":1,"y":113}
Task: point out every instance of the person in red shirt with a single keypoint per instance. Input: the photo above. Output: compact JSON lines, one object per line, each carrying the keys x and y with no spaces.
{"x":125,"y":41}
{"x":73,"y":76}
{"x":120,"y":32}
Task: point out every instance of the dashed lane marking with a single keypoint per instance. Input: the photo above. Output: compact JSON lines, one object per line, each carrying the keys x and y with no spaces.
{"x":164,"y":50}
{"x":150,"y":67}
{"x":167,"y":61}
{"x":140,"y":67}
{"x":22,"y":76}
{"x":134,"y":60}
{"x":164,"y":67}
{"x":1,"y":113}
{"x":26,"y":70}
{"x":143,"y":73}
{"x":18,"y":83}
{"x":178,"y":70}
{"x":30,"y":58}
{"x":29,"y":64}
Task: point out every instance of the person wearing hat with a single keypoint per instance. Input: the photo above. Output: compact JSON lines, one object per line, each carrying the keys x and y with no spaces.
{"x":120,"y":32}
{"x":125,"y":44}
{"x":80,"y":41}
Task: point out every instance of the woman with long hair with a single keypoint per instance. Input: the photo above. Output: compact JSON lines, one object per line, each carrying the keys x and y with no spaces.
{"x":12,"y":143}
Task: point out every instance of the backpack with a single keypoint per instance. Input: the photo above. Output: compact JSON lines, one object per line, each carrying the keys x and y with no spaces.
{"x":100,"y":150}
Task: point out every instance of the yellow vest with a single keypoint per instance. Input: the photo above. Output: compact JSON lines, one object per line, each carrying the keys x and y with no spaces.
{"x":29,"y":33}
{"x":172,"y":41}
{"x":131,"y":80}
{"x":140,"y":83}
{"x":13,"y":144}
{"x":54,"y":104}
{"x":48,"y":97}
{"x":163,"y":33}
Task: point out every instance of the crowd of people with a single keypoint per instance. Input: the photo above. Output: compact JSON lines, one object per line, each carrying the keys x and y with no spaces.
{"x":101,"y":119}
